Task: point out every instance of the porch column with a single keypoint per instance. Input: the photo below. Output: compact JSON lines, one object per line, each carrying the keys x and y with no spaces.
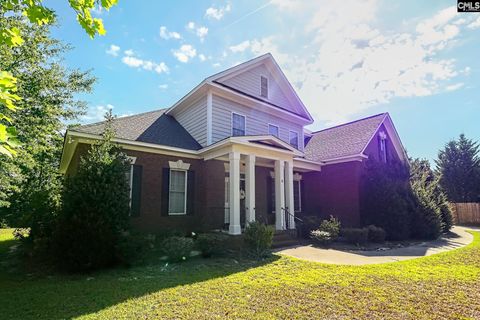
{"x":279,"y":195}
{"x":234,"y":181}
{"x":289,"y":194}
{"x":250,"y":188}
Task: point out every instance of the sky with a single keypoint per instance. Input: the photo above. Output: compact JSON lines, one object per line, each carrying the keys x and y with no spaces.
{"x":417,"y":60}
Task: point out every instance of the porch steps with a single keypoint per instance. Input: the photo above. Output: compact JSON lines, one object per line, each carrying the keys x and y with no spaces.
{"x":283,"y":239}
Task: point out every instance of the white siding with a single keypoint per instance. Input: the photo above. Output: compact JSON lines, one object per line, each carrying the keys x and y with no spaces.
{"x":256,"y":121}
{"x":249,"y":82}
{"x":194,"y":119}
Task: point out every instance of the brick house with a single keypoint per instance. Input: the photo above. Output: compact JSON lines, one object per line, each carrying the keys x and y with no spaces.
{"x":235,"y":149}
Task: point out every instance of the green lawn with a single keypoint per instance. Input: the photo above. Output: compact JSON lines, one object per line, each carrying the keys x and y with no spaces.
{"x":442,"y":286}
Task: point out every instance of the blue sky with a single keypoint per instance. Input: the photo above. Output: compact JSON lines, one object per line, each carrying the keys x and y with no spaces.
{"x":418,"y":60}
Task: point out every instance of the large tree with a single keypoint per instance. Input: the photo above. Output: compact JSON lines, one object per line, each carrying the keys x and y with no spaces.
{"x":30,"y":181}
{"x":458,"y":166}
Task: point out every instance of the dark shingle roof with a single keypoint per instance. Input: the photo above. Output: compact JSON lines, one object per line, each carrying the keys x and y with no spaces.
{"x":348,"y":139}
{"x":151,"y":127}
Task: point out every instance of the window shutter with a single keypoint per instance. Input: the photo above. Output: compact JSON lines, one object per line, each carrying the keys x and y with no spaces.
{"x":136,"y":190}
{"x":165,"y":191}
{"x":190,"y":192}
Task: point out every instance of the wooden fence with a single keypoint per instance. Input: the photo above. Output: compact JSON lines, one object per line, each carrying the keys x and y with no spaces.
{"x":466,"y":213}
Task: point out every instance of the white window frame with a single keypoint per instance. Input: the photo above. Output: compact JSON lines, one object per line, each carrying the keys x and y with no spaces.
{"x":383,"y":146}
{"x":290,"y":138}
{"x":183,"y":167}
{"x":268,"y":86}
{"x":245,"y":123}
{"x":278,"y":130}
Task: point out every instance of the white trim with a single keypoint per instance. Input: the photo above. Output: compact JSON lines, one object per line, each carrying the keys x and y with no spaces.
{"x":299,"y":195}
{"x":358,"y":157}
{"x":179,"y":165}
{"x":185,"y":194}
{"x":273,"y":125}
{"x":209,"y":117}
{"x":290,"y":139}
{"x":245,"y":123}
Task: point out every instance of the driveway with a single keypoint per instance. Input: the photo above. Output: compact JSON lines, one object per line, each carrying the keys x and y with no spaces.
{"x":459,"y":238}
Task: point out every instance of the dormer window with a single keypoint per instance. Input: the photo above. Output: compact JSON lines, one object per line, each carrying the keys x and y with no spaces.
{"x":238,"y":125}
{"x":273,"y":130}
{"x":293,"y":138}
{"x":264,"y":87}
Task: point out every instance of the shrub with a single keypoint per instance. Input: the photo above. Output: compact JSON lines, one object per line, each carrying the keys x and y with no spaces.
{"x":376,"y":234}
{"x":357,"y":236}
{"x":332,"y":226}
{"x":324,"y":237}
{"x":95,"y":210}
{"x":177,"y":248}
{"x":258,"y":238}
{"x":309,"y":224}
{"x":211,"y":243}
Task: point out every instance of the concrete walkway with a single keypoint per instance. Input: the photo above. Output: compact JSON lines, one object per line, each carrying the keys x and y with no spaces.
{"x":458,"y":239}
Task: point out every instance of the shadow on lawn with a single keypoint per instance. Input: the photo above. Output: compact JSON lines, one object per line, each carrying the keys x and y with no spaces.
{"x":65,"y":297}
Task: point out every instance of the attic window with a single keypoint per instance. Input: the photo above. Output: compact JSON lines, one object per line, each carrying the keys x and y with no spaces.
{"x":383,"y":147}
{"x":263,"y":86}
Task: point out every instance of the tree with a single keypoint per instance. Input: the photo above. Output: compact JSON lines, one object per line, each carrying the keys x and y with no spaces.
{"x":386,"y":199}
{"x":458,"y":167}
{"x":11,"y":37}
{"x":29,"y":197}
{"x":95,"y":209}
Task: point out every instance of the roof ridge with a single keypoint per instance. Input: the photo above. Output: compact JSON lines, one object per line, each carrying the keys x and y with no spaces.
{"x":117,"y":118}
{"x":351,"y":122}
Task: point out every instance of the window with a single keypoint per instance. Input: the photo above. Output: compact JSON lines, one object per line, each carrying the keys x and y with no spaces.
{"x":238,"y":125}
{"x":297,"y":196}
{"x":273,"y":130}
{"x":383,"y":146}
{"x":293,"y":138}
{"x":177,"y":202}
{"x":264,"y":87}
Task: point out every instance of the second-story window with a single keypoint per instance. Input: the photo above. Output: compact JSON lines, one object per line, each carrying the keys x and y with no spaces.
{"x":264,"y":87}
{"x":238,"y":125}
{"x":273,"y":130}
{"x":293,"y":138}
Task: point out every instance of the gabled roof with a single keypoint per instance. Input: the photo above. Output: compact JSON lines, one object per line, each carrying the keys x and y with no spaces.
{"x":217,"y":80}
{"x":346,"y":140}
{"x":150,"y":127}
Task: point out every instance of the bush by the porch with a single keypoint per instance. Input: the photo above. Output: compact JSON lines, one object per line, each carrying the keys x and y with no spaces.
{"x":376,"y":234}
{"x":356,"y":236}
{"x":211,"y":244}
{"x":177,"y":248}
{"x":258,"y":238}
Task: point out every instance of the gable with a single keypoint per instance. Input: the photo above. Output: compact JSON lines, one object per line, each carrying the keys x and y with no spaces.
{"x":246,"y":79}
{"x":373,"y":148}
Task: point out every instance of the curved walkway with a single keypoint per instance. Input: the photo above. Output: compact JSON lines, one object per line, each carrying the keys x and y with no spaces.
{"x":458,"y":239}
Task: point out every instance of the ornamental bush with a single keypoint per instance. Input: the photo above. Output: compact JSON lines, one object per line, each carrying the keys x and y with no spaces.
{"x":376,"y":234}
{"x":95,"y":209}
{"x":177,"y":248}
{"x":332,"y":226}
{"x":258,"y":238}
{"x":323,"y":237}
{"x":357,"y":236}
{"x":211,"y":244}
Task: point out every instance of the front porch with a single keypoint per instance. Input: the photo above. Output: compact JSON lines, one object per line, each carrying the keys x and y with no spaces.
{"x":244,"y":158}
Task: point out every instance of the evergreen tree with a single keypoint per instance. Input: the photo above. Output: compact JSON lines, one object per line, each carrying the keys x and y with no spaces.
{"x":458,"y":166}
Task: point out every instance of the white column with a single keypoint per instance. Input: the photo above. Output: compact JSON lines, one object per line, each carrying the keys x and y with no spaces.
{"x":234,"y":180}
{"x":250,"y":188}
{"x":289,"y":194}
{"x":279,"y":195}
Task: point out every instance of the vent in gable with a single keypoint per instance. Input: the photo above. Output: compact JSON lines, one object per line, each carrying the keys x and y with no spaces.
{"x":264,"y":87}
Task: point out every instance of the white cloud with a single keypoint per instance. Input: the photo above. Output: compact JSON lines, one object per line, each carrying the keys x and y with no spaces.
{"x":97,"y":113}
{"x":475,"y":24}
{"x":217,"y":13}
{"x":216,"y":65}
{"x":202,"y":33}
{"x":113,"y":50}
{"x":165,"y":34}
{"x":350,"y":65}
{"x":241,"y":47}
{"x":454,"y":87}
{"x":148,"y":65}
{"x":185,"y":53}
{"x":163,"y":86}
{"x":129,"y":52}
{"x":190,"y":25}
{"x":202,"y":57}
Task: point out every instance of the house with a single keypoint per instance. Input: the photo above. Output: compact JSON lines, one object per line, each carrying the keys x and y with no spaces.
{"x":235,"y":149}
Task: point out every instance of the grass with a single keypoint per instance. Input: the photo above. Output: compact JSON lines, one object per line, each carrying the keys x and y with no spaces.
{"x":443,"y":286}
